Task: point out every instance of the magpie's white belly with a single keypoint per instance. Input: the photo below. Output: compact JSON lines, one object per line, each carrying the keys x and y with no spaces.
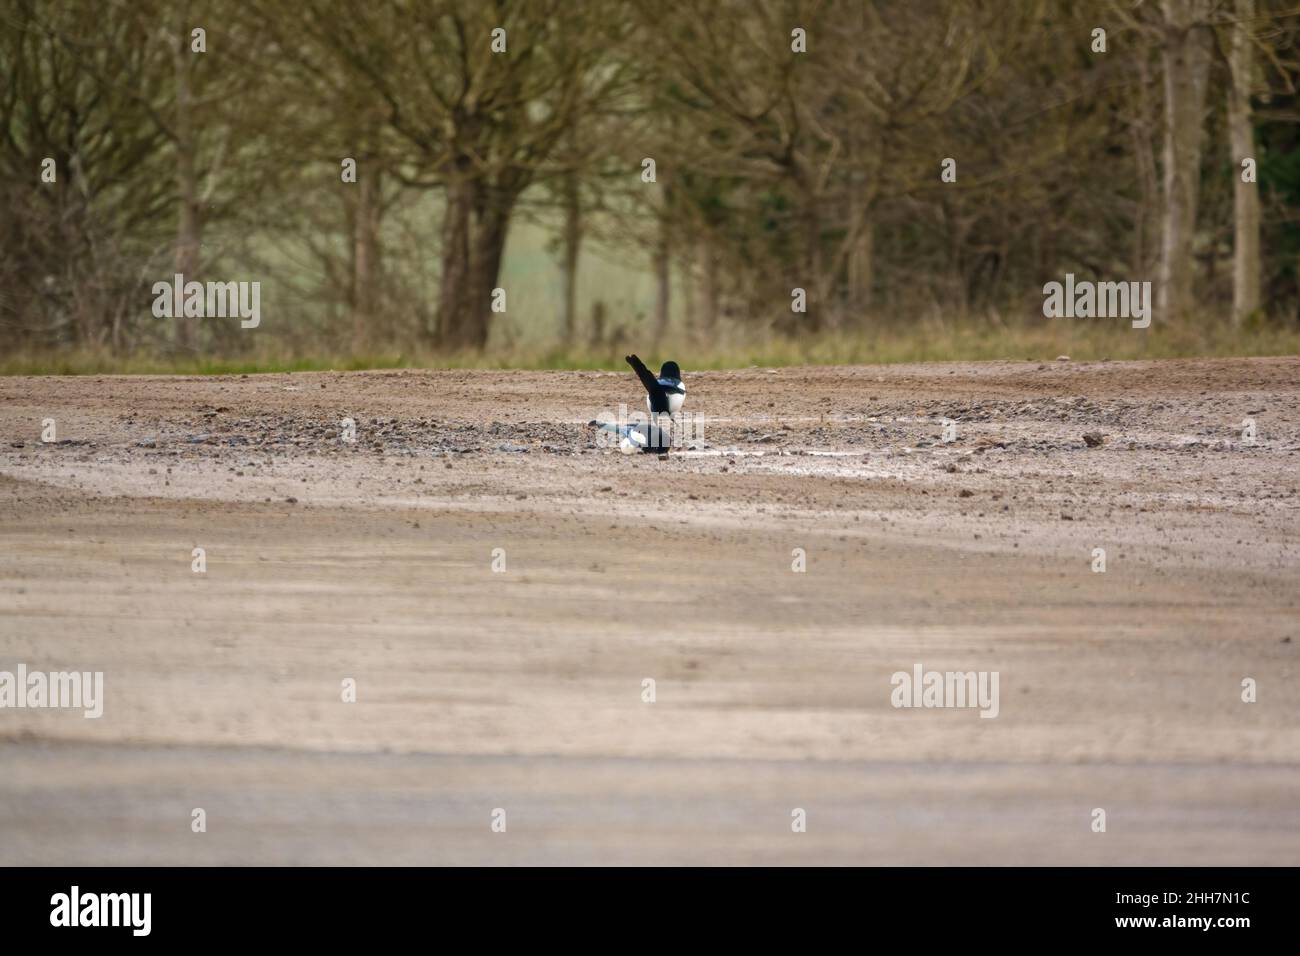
{"x":674,"y":402}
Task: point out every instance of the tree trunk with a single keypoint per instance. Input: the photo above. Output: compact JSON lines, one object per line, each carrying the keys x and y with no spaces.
{"x":572,"y":248}
{"x":188,"y":224}
{"x":1148,"y":177}
{"x":474,"y":239}
{"x":712,"y":297}
{"x":1245,"y":255}
{"x":453,"y":293}
{"x":365,"y":258}
{"x":488,"y":249}
{"x":663,"y":270}
{"x":957,"y":230}
{"x":860,"y":266}
{"x":1186,"y":57}
{"x":812,"y":284}
{"x":689,"y":286}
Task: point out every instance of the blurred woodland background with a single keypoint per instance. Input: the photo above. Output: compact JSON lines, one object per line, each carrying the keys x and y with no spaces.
{"x":1115,"y":157}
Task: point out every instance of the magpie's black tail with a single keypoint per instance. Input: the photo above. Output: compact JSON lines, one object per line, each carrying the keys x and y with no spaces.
{"x":658,"y":399}
{"x":647,"y":379}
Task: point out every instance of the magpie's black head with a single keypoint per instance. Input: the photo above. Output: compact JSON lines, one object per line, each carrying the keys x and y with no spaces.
{"x":670,"y":370}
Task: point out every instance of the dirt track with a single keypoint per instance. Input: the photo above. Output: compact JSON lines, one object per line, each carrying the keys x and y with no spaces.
{"x":522,"y":690}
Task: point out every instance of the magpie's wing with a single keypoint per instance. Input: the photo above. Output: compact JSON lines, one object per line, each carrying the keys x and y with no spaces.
{"x":646,"y":377}
{"x":624,"y":430}
{"x":631,"y":432}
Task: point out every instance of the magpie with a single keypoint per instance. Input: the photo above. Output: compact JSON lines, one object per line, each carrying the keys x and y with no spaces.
{"x":642,"y":436}
{"x":665,"y":393}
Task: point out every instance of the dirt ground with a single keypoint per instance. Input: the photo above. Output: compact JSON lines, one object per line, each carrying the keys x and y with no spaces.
{"x":520,"y":688}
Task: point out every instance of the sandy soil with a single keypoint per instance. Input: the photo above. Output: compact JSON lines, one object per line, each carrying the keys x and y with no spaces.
{"x":522,"y":689}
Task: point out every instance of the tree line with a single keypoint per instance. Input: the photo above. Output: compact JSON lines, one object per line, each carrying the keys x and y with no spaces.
{"x":889,"y":159}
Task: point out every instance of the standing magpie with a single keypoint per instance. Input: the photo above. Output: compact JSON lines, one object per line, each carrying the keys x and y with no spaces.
{"x":665,"y":393}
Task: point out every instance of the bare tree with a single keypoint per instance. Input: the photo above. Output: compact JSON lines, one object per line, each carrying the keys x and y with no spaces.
{"x":798,"y":143}
{"x":1246,"y":221}
{"x":1186,"y":58}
